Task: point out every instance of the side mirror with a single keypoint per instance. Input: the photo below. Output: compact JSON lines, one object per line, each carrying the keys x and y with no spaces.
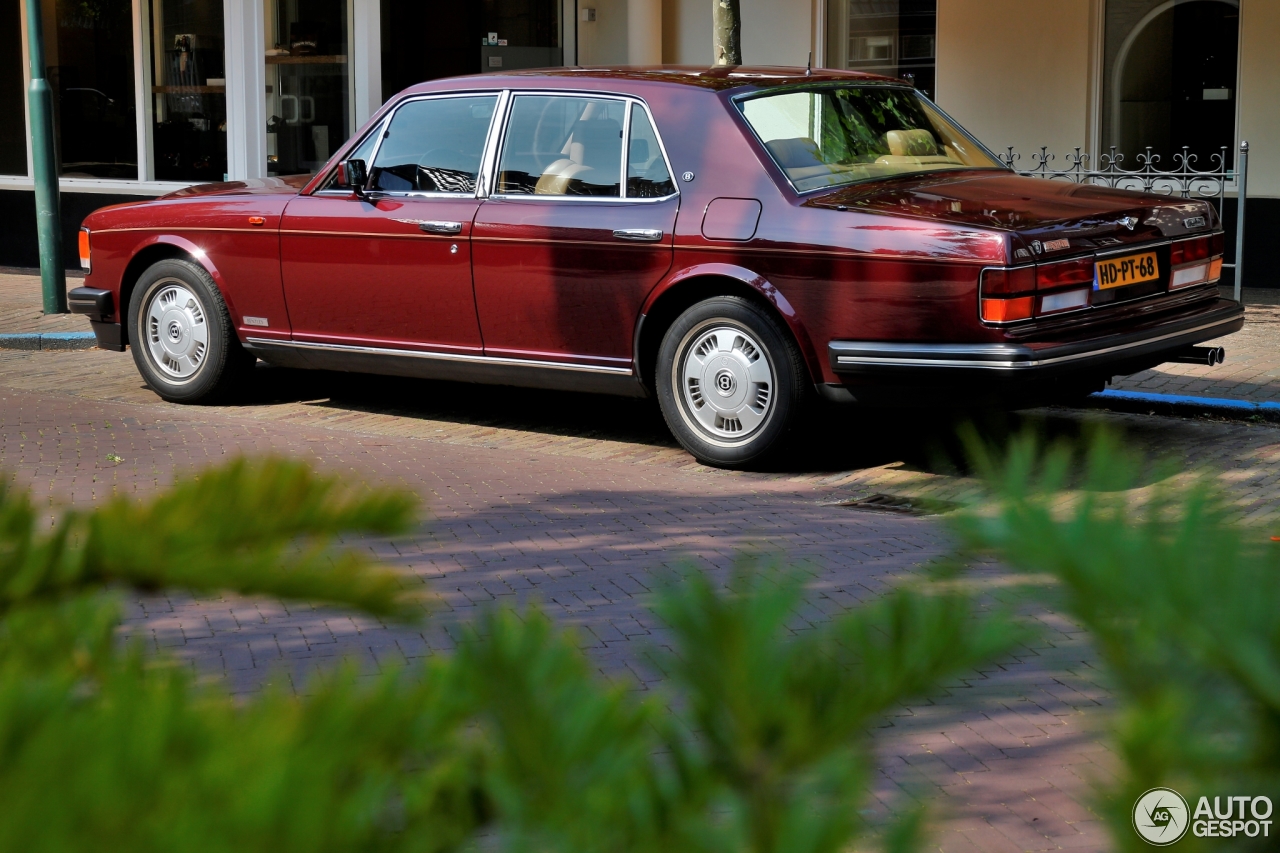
{"x":354,"y":174}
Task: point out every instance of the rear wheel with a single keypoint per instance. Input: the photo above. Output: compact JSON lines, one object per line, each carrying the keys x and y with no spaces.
{"x":181,"y":334}
{"x":730,"y":382}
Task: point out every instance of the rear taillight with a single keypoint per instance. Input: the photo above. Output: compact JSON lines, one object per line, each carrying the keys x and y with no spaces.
{"x":85,"y":260}
{"x":1009,"y":295}
{"x":1196,"y":261}
{"x":1064,"y":274}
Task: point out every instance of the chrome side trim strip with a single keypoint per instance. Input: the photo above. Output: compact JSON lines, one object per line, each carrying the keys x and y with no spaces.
{"x":443,"y":356}
{"x":996,"y":349}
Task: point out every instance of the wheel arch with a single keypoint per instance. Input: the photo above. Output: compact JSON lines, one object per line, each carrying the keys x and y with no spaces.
{"x":161,"y":248}
{"x":693,"y":285}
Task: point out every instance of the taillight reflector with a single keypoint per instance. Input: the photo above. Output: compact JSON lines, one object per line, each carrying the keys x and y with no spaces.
{"x":1215,"y":269}
{"x":1020,"y":280}
{"x":1007,"y":310}
{"x":1067,"y":300}
{"x":85,"y":259}
{"x":1063,"y":273}
{"x":1187,"y":276}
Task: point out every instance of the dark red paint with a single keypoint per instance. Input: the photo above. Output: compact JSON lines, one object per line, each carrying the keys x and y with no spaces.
{"x":896,"y":260}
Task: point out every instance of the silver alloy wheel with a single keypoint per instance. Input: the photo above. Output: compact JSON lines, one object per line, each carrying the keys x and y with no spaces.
{"x":175,"y":329}
{"x":726,"y":381}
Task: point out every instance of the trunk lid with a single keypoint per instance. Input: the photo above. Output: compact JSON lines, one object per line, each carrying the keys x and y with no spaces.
{"x":1047,"y":218}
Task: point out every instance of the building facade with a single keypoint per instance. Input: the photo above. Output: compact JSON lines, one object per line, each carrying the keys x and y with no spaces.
{"x":153,"y":95}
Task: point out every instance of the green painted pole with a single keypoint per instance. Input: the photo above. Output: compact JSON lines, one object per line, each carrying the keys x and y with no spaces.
{"x":53,"y":278}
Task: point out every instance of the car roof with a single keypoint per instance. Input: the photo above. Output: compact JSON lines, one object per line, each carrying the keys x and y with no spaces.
{"x":717,"y":78}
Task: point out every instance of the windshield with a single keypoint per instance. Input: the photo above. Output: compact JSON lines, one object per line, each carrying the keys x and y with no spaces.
{"x":826,"y":137}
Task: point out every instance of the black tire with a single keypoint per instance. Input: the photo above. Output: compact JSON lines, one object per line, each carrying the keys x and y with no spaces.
{"x":181,"y":335}
{"x":710,"y":382}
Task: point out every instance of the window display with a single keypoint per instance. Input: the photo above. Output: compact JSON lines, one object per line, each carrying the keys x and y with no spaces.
{"x":308,"y":84}
{"x":896,"y":38}
{"x":13,"y":131}
{"x":89,"y":51}
{"x":189,"y":131}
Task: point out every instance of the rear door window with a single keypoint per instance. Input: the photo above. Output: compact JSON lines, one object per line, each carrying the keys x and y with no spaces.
{"x":434,"y":146}
{"x":647,"y":173}
{"x":562,"y":146}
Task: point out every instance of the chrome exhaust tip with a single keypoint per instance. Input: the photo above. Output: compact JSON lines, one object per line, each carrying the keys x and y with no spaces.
{"x":1208,"y":356}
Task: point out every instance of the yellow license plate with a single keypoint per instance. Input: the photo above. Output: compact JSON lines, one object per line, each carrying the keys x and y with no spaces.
{"x":1131,"y":269}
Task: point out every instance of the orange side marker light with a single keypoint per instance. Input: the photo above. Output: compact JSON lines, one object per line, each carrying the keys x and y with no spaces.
{"x":257,"y":220}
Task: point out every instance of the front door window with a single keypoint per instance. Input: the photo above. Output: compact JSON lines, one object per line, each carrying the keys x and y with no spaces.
{"x":434,"y":146}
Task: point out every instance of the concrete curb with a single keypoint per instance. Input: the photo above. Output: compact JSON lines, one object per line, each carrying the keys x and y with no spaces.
{"x":1178,"y":404}
{"x":48,"y":340}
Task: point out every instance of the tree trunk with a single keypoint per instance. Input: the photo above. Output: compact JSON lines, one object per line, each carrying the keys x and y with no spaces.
{"x":727,"y":20}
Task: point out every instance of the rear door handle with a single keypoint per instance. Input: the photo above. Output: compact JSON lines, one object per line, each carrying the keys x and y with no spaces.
{"x":438,"y":226}
{"x":639,"y":235}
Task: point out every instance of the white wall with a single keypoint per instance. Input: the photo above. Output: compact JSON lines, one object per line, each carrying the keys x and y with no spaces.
{"x":604,"y":40}
{"x":1259,"y":100}
{"x":774,"y":32}
{"x":1018,"y":72}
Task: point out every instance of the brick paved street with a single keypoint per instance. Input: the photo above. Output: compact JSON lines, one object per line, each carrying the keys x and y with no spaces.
{"x":584,"y":503}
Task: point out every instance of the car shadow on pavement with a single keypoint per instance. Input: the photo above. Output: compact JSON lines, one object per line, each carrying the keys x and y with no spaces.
{"x":832,"y":438}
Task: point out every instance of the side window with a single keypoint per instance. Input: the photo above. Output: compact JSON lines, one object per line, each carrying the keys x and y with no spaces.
{"x":434,"y":145}
{"x":647,"y":172}
{"x":562,"y":146}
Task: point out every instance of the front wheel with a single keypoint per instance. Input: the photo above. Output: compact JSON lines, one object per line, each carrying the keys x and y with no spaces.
{"x":181,"y":334}
{"x":730,"y":382}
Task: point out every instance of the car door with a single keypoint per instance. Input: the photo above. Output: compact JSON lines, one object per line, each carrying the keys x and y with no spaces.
{"x":565,"y":251}
{"x":391,"y":266}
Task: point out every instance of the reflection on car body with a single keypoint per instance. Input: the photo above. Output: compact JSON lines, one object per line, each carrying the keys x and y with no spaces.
{"x":832,"y":234}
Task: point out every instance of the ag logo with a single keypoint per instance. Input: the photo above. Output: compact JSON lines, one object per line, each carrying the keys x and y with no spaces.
{"x":1160,"y":816}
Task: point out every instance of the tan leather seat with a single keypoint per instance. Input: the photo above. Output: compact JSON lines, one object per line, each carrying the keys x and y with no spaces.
{"x":911,"y":143}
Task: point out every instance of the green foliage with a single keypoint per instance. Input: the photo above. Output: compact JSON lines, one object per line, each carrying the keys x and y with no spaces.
{"x":511,"y":743}
{"x":1183,"y":604}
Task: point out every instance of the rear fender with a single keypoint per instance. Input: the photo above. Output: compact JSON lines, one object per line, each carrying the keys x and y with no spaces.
{"x":753,"y":280}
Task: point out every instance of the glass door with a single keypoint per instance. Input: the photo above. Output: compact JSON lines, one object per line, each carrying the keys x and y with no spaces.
{"x":309,"y":98}
{"x":189,"y":91}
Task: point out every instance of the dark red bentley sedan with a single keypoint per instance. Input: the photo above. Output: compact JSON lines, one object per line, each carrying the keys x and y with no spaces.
{"x":731,"y":241}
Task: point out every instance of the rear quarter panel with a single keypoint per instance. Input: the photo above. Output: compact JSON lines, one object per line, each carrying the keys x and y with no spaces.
{"x":832,"y":274}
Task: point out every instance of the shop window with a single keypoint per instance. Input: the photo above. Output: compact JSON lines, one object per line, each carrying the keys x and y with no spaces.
{"x":189,"y":108}
{"x":527,"y":32}
{"x":13,"y":130}
{"x":89,"y":56}
{"x":895,"y":38}
{"x":308,"y":83}
{"x":1170,"y":79}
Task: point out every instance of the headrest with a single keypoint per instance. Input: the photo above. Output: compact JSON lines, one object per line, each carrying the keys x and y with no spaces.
{"x":795,"y":153}
{"x":917,"y":142}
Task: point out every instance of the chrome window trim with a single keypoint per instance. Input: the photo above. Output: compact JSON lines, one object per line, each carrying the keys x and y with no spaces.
{"x":491,"y":176}
{"x":445,"y":356}
{"x":737,"y":101}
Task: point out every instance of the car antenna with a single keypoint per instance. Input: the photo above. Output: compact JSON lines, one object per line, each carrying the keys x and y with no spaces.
{"x":808,"y":69}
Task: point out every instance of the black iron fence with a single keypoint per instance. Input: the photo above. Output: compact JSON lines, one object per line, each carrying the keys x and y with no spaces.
{"x":1184,"y":180}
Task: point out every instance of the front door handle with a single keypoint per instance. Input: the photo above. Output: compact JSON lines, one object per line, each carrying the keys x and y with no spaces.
{"x":439,"y":226}
{"x":639,"y":235}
